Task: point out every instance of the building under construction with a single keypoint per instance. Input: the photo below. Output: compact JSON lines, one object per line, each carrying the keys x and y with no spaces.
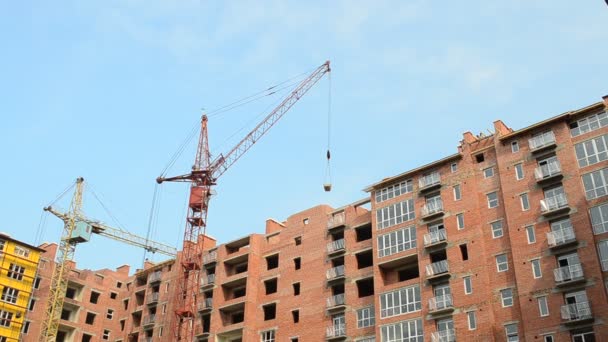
{"x":504,"y":240}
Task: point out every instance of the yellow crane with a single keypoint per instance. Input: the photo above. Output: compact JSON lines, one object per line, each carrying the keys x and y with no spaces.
{"x":78,"y":229}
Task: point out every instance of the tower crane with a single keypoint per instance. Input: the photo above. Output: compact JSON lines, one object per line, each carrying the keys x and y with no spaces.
{"x":203,"y":177}
{"x":78,"y":229}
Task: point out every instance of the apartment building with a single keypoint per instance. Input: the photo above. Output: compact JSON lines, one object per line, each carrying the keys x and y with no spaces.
{"x":19,"y":262}
{"x":505,"y":240}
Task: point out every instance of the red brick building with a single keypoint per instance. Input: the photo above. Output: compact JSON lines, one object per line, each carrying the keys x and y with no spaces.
{"x":505,"y":240}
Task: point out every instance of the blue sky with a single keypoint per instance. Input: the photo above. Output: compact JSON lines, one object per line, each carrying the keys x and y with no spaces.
{"x":107,"y":90}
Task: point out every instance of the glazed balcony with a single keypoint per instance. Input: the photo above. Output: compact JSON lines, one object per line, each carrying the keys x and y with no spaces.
{"x":429,"y":182}
{"x":432,"y":209}
{"x":437,"y":270}
{"x":441,"y":304}
{"x":448,"y":335}
{"x":336,"y":247}
{"x":437,"y":238}
{"x":210,"y":257}
{"x":576,"y":313}
{"x":568,"y":274}
{"x":555,"y":205}
{"x":561,"y":238}
{"x":335,"y":332}
{"x":548,"y":172}
{"x":542,"y":142}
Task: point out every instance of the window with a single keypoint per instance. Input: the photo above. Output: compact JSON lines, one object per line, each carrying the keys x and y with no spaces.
{"x":295,"y":316}
{"x":94,"y":297}
{"x":472,"y":320}
{"x":267,"y":336}
{"x":502,"y":263}
{"x":15,"y":271}
{"x":406,"y":331}
{"x":457,"y":194}
{"x":106,"y":334}
{"x":519,"y":171}
{"x":460,"y":220}
{"x":536,"y":272}
{"x":525,"y":202}
{"x":298,"y":240}
{"x":2,"y":244}
{"x":9,"y":295}
{"x":602,"y":248}
{"x":596,"y":184}
{"x":397,"y":241}
{"x":306,"y":221}
{"x":497,"y":229}
{"x":160,"y":332}
{"x":492,"y":199}
{"x":588,"y":124}
{"x":271,"y":286}
{"x":297,"y":263}
{"x":113,"y":295}
{"x":5,"y":318}
{"x":90,"y":318}
{"x":454,"y":167}
{"x":37,"y":283}
{"x":395,"y":190}
{"x":468,"y":285}
{"x":464,"y":252}
{"x":366,"y":317}
{"x":548,"y":338}
{"x":543,"y":308}
{"x":530,"y":234}
{"x":514,"y":146}
{"x":22,"y":252}
{"x":395,"y":214}
{"x":26,"y":327}
{"x":592,"y":151}
{"x":296,"y":289}
{"x":32,"y":304}
{"x":599,"y":218}
{"x":506,"y":296}
{"x":270,"y":311}
{"x":400,"y":301}
{"x":110,"y":314}
{"x":272,"y":262}
{"x":488,"y":172}
{"x":511,"y":332}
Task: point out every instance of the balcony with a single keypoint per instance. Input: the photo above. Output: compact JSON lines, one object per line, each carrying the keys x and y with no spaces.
{"x":153,"y":298}
{"x":432,"y":209}
{"x":429,"y":182}
{"x":542,"y":142}
{"x":336,"y":302}
{"x":335,"y":332}
{"x":208,"y":281}
{"x":577,"y":313}
{"x":154,"y":278}
{"x":448,"y":335}
{"x":441,"y":304}
{"x":549,"y":172}
{"x":335,"y":273}
{"x":335,"y":247}
{"x":336,"y":221}
{"x":568,"y":275}
{"x":605,"y":265}
{"x":437,"y":238}
{"x":205,"y":305}
{"x":437,"y":270}
{"x":210,"y":257}
{"x":555,"y":205}
{"x":561,"y":238}
{"x":149,"y":320}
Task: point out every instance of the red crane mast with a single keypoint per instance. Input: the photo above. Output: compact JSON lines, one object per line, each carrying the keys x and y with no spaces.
{"x":203,"y":177}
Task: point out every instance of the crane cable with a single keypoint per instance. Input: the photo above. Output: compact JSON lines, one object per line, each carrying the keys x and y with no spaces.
{"x":328,"y":180}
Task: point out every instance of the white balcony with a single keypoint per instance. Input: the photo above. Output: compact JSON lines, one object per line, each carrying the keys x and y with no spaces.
{"x":336,"y":220}
{"x":542,"y":140}
{"x":335,"y":246}
{"x":335,"y":272}
{"x":560,"y":237}
{"x":429,"y":180}
{"x":336,"y":330}
{"x":432,"y":207}
{"x":576,"y":312}
{"x":336,"y":300}
{"x":208,"y":280}
{"x":568,"y":273}
{"x":440,"y":303}
{"x":548,"y":170}
{"x":437,"y":268}
{"x":435,"y":237}
{"x":448,"y":335}
{"x":210,"y":257}
{"x":552,"y":204}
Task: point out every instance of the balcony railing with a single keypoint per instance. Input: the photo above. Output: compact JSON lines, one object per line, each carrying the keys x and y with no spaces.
{"x":448,"y":335}
{"x":568,"y":273}
{"x":550,"y":169}
{"x":560,"y":237}
{"x":335,"y":272}
{"x":542,"y":140}
{"x":150,"y":319}
{"x":436,"y":268}
{"x":336,"y":220}
{"x":435,"y":237}
{"x":208,"y":280}
{"x":336,"y":330}
{"x":206,"y":304}
{"x":153,"y":298}
{"x":604,"y":265}
{"x":432,"y":207}
{"x":440,"y":303}
{"x":576,"y":312}
{"x":429,"y":180}
{"x":336,"y":300}
{"x":155,"y":277}
{"x":553,"y":203}
{"x":210,"y":257}
{"x":335,"y":246}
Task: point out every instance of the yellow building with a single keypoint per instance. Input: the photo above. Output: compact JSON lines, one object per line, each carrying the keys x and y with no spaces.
{"x":18,"y":267}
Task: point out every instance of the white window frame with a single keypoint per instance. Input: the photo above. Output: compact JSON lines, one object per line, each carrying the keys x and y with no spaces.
{"x":488,"y":172}
{"x":548,"y":338}
{"x":588,"y":152}
{"x":396,"y":332}
{"x":530,"y":234}
{"x":460,"y":221}
{"x":500,"y":263}
{"x":267,"y":336}
{"x":395,"y":214}
{"x":400,"y":301}
{"x":394,"y":190}
{"x":506,"y":295}
{"x":366,"y":317}
{"x":106,"y":334}
{"x":493,"y":203}
{"x":524,"y":200}
{"x":15,"y":271}
{"x":397,"y":241}
{"x":22,"y":252}
{"x":543,"y":306}
{"x":454,"y":167}
{"x":512,"y":336}
{"x":9,"y":295}
{"x":595,"y":183}
{"x":457,"y":192}
{"x":497,"y":229}
{"x":519,"y":171}
{"x":6,"y":318}
{"x":472,"y":320}
{"x":602,"y":251}
{"x":514,"y":146}
{"x":599,"y":218}
{"x":468,"y":285}
{"x":536,"y":268}
{"x":588,"y":124}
